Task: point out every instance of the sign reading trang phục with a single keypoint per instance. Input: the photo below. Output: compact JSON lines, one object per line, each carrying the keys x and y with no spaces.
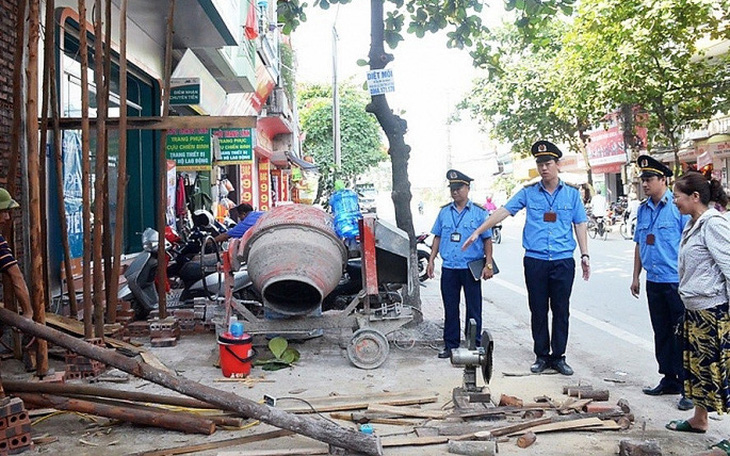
{"x":190,"y":148}
{"x":236,"y":145}
{"x":380,"y":82}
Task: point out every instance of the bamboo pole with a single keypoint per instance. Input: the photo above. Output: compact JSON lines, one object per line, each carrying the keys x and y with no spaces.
{"x":66,"y":389}
{"x":43,"y":176}
{"x":162,"y":170}
{"x":57,"y":140}
{"x":167,"y":420}
{"x":15,"y":141}
{"x":100,"y":172}
{"x":318,"y":429}
{"x":85,"y":170}
{"x":38,"y":298}
{"x":106,"y":240}
{"x":121,"y":166}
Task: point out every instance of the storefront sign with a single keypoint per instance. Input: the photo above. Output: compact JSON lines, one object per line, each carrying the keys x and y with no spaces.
{"x":247,"y":182}
{"x":380,"y":82}
{"x":264,"y":185}
{"x":236,"y":145}
{"x":190,"y":149}
{"x":184,"y":91}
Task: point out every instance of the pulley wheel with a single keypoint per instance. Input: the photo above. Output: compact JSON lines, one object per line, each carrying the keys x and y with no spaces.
{"x":368,"y":348}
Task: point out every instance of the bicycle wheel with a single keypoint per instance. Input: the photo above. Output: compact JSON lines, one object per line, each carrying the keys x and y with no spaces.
{"x":624,"y":230}
{"x":593,"y":231}
{"x":497,"y":234}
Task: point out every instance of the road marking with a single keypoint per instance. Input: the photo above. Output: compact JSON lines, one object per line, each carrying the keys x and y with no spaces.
{"x":587,"y":319}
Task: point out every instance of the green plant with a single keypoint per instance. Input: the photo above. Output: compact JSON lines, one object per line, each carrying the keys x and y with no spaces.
{"x":284,"y":355}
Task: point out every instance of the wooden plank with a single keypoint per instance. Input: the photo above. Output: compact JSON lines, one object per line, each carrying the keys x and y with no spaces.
{"x":154,"y":361}
{"x":160,"y":123}
{"x":360,"y":401}
{"x":408,"y":411}
{"x":505,"y":430}
{"x":76,"y":328}
{"x":282,"y":452}
{"x":186,"y":449}
{"x":413,"y":441}
{"x":561,"y":426}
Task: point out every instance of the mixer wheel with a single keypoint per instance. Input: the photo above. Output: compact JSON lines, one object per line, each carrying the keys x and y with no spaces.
{"x":368,"y":348}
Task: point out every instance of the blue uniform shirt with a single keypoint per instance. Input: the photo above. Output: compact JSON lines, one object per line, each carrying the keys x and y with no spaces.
{"x":548,"y":240}
{"x":664,"y":221}
{"x":450,"y":222}
{"x":244,"y":225}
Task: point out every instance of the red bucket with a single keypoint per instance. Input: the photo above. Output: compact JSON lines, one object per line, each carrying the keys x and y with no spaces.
{"x":236,"y":354}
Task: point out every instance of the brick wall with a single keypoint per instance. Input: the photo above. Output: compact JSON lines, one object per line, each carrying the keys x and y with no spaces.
{"x":7,"y":46}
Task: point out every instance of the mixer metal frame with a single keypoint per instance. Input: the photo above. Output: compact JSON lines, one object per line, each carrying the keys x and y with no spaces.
{"x":369,"y":319}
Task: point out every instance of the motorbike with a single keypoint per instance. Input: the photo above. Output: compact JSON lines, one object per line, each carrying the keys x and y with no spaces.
{"x":191,"y":270}
{"x":423,"y":250}
{"x":628,"y":225}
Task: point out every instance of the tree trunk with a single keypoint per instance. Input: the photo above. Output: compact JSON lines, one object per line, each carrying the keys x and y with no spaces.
{"x":395,"y":129}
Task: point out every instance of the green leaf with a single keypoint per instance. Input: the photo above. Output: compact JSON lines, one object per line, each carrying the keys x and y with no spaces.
{"x":291,"y":355}
{"x":278,"y":345}
{"x":362,"y":62}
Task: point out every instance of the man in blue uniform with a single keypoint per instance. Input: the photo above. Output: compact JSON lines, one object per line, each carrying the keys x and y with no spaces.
{"x":554,"y":210}
{"x":454,"y":223}
{"x":246,"y":218}
{"x":658,"y":232}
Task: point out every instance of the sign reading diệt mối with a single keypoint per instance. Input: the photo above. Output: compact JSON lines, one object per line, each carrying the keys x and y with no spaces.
{"x":236,"y":145}
{"x":380,"y":82}
{"x":189,"y":148}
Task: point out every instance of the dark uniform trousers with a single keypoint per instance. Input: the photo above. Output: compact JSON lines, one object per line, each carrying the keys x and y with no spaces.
{"x":452,"y":281}
{"x":549,"y":284}
{"x":665,"y":310}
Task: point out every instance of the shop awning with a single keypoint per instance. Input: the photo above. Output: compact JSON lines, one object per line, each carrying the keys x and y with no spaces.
{"x":305,"y":165}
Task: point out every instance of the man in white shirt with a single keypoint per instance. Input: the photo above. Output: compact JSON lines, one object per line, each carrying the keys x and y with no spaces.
{"x":598,"y":204}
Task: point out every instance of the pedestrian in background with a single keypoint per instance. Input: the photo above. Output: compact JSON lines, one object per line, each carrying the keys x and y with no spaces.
{"x":658,"y":231}
{"x":554,"y":210}
{"x":455,"y":222}
{"x":704,"y":276}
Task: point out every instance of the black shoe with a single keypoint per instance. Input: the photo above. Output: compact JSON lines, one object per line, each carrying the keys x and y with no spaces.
{"x":445,"y":353}
{"x":685,"y":404}
{"x":562,"y":367}
{"x":660,"y":389}
{"x":538,"y":366}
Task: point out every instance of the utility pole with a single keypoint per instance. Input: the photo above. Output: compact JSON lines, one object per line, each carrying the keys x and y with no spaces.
{"x":335,"y":103}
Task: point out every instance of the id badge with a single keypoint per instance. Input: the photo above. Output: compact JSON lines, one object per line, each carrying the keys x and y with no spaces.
{"x":455,"y":237}
{"x":649,"y":239}
{"x":550,"y":217}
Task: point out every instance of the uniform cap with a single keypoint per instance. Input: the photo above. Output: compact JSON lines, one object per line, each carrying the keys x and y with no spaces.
{"x":6,"y":201}
{"x":649,"y":166}
{"x":457,"y":178}
{"x":544,"y":151}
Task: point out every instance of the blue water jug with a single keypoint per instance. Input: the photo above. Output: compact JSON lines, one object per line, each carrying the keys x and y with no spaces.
{"x":346,"y":210}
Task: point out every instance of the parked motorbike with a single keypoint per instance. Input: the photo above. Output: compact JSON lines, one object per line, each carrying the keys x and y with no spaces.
{"x":423,"y":249}
{"x":190,"y":274}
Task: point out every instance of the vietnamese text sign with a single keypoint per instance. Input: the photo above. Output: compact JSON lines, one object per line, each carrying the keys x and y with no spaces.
{"x":189,"y":148}
{"x":184,"y":91}
{"x":264,"y":185}
{"x":380,"y":82}
{"x":236,"y":145}
{"x":247,"y":182}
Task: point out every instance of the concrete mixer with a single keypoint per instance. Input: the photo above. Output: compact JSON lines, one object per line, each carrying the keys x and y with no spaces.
{"x":295,"y":259}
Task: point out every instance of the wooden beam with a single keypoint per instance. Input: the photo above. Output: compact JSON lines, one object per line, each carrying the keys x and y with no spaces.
{"x":161,"y":123}
{"x":319,"y":429}
{"x":162,"y":167}
{"x":84,"y":125}
{"x":37,"y":287}
{"x":187,"y":449}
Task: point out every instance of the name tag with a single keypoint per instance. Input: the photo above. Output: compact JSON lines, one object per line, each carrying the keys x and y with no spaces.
{"x":650,"y":239}
{"x":550,"y":217}
{"x":455,"y":237}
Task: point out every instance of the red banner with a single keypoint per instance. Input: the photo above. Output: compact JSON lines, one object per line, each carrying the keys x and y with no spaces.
{"x":264,"y":185}
{"x":246,"y":182}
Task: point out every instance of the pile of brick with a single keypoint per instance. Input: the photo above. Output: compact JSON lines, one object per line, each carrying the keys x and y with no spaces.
{"x":125,"y":313}
{"x":14,"y":427}
{"x":164,"y":332}
{"x":80,"y":367}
